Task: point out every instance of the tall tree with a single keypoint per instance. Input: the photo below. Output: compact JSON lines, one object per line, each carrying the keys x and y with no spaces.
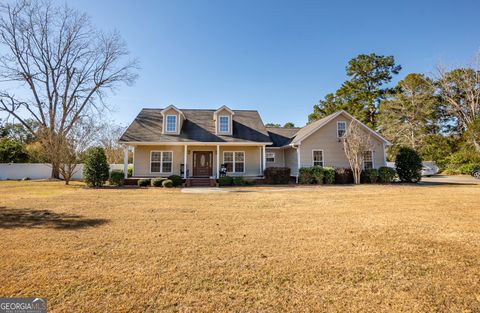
{"x":272,"y":125}
{"x":460,"y":90}
{"x":66,"y":65}
{"x":363,"y":92}
{"x":289,"y":125}
{"x":409,"y":115}
{"x":356,"y":143}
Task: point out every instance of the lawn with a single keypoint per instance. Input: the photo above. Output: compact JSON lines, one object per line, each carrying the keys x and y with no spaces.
{"x":328,"y":249}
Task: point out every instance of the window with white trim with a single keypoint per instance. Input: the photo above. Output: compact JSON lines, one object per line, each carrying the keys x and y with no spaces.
{"x":161,"y":161}
{"x":234,"y":161}
{"x":368,"y":160}
{"x":224,"y":124}
{"x":317,"y":157}
{"x":270,"y":157}
{"x":171,"y":126}
{"x":341,"y":128}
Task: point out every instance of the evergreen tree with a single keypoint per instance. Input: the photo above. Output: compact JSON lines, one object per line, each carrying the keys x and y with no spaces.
{"x":95,"y":168}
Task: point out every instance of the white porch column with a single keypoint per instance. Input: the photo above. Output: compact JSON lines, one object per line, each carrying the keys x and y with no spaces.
{"x":185,"y":152}
{"x":298,"y":162}
{"x":264,"y":160}
{"x":125,"y":162}
{"x":260,"y":168}
{"x":218,"y":161}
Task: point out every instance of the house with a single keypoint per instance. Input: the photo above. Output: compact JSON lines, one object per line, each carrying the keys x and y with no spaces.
{"x":195,"y":143}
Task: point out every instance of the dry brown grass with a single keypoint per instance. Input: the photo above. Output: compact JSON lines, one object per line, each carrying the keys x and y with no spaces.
{"x":335,"y":249}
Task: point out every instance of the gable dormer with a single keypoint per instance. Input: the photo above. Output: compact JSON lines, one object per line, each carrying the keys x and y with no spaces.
{"x":173,"y":120}
{"x":223,"y":118}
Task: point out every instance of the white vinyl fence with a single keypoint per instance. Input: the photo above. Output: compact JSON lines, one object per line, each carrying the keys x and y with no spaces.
{"x":38,"y":170}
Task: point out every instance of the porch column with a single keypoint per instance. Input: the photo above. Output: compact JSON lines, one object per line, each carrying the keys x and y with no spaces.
{"x":218,"y":161}
{"x":298,"y":162}
{"x":125,"y":162}
{"x":264,"y":160}
{"x":185,"y":152}
{"x":260,"y":161}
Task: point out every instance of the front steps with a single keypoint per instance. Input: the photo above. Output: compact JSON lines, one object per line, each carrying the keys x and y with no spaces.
{"x":200,"y":182}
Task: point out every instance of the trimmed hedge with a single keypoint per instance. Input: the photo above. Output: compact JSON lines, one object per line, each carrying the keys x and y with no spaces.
{"x":225,"y":181}
{"x":167,"y":183}
{"x":176,"y":180}
{"x":116,"y":178}
{"x":329,"y":175}
{"x":144,"y":182}
{"x":306,"y":176}
{"x":386,"y":174}
{"x":343,"y":176}
{"x":409,"y":165}
{"x":157,"y":182}
{"x":370,"y":175}
{"x":277,"y":175}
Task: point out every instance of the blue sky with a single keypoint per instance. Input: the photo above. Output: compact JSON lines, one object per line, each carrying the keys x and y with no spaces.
{"x":279,"y":57}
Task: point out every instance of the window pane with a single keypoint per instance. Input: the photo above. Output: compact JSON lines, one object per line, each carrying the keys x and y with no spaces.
{"x":224,"y":123}
{"x":155,"y":167}
{"x":318,"y":158}
{"x":171,"y":123}
{"x":228,"y":157}
{"x":239,"y":156}
{"x":229,"y":166}
{"x":156,"y":156}
{"x":167,"y":167}
{"x":167,"y":156}
{"x":239,"y":167}
{"x":341,"y":129}
{"x":270,"y":157}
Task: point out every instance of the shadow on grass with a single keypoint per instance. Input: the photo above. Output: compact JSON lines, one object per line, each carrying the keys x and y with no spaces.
{"x":31,"y":218}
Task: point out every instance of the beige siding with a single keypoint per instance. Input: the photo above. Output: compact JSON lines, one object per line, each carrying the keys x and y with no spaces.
{"x":291,"y":160}
{"x":279,"y":158}
{"x":333,"y":154}
{"x":142,"y":159}
{"x":172,"y":111}
{"x":224,"y":112}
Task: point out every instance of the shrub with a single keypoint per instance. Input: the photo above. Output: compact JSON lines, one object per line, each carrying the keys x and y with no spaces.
{"x":370,"y":175}
{"x":157,"y":182}
{"x":239,"y":181}
{"x":329,"y":175}
{"x":467,"y":169}
{"x":144,"y":182}
{"x":167,"y":183}
{"x":176,"y":180}
{"x":409,"y":165}
{"x":130,"y":171}
{"x":317,"y":172}
{"x":95,"y":167}
{"x":225,"y":181}
{"x":116,"y":178}
{"x":250,"y":182}
{"x":343,"y":176}
{"x":277,"y":175}
{"x":386,"y":174}
{"x":306,"y":176}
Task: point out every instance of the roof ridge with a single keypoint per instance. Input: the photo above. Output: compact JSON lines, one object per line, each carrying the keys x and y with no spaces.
{"x":213,"y":110}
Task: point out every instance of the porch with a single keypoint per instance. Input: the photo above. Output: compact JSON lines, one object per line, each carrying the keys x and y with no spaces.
{"x":190,"y":161}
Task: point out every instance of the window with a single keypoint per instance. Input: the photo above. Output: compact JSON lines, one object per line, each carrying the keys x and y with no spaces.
{"x":171,"y":124}
{"x":270,"y":157}
{"x":317,"y":157}
{"x":161,"y":161}
{"x":368,"y":160}
{"x":341,"y":129}
{"x":234,"y":161}
{"x":224,"y":124}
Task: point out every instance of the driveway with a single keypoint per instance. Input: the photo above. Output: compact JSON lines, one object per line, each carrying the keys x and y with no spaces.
{"x":449,"y":180}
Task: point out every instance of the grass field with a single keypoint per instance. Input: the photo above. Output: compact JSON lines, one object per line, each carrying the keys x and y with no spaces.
{"x":329,"y":249}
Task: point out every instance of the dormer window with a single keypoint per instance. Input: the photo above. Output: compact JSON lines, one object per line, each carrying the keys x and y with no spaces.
{"x":224,"y":124}
{"x":171,"y":126}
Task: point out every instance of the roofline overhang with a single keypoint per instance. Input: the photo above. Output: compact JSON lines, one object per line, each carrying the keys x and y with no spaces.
{"x":193,"y":143}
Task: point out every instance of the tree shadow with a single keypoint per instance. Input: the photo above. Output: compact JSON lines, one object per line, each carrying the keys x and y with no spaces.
{"x":32,"y":218}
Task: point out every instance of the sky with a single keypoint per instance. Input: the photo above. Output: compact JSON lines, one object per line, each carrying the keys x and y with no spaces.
{"x":277,"y":57}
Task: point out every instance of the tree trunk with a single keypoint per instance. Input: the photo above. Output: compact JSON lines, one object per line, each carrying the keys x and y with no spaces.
{"x":476,"y":144}
{"x":55,"y":170}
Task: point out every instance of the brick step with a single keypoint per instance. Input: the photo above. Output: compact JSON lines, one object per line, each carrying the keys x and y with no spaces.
{"x":200,"y":182}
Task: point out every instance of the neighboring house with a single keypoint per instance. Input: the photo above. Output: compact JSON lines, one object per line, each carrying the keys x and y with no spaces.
{"x":195,"y":143}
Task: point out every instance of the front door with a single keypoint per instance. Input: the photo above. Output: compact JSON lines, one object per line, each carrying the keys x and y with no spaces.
{"x":202,"y":163}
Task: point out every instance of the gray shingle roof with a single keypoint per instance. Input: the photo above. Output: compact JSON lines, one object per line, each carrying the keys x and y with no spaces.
{"x":199,"y":126}
{"x":282,"y":136}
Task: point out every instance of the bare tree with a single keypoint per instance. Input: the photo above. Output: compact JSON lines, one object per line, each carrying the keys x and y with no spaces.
{"x":66,"y":66}
{"x":460,"y":90}
{"x":356,"y":142}
{"x":109,"y":134}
